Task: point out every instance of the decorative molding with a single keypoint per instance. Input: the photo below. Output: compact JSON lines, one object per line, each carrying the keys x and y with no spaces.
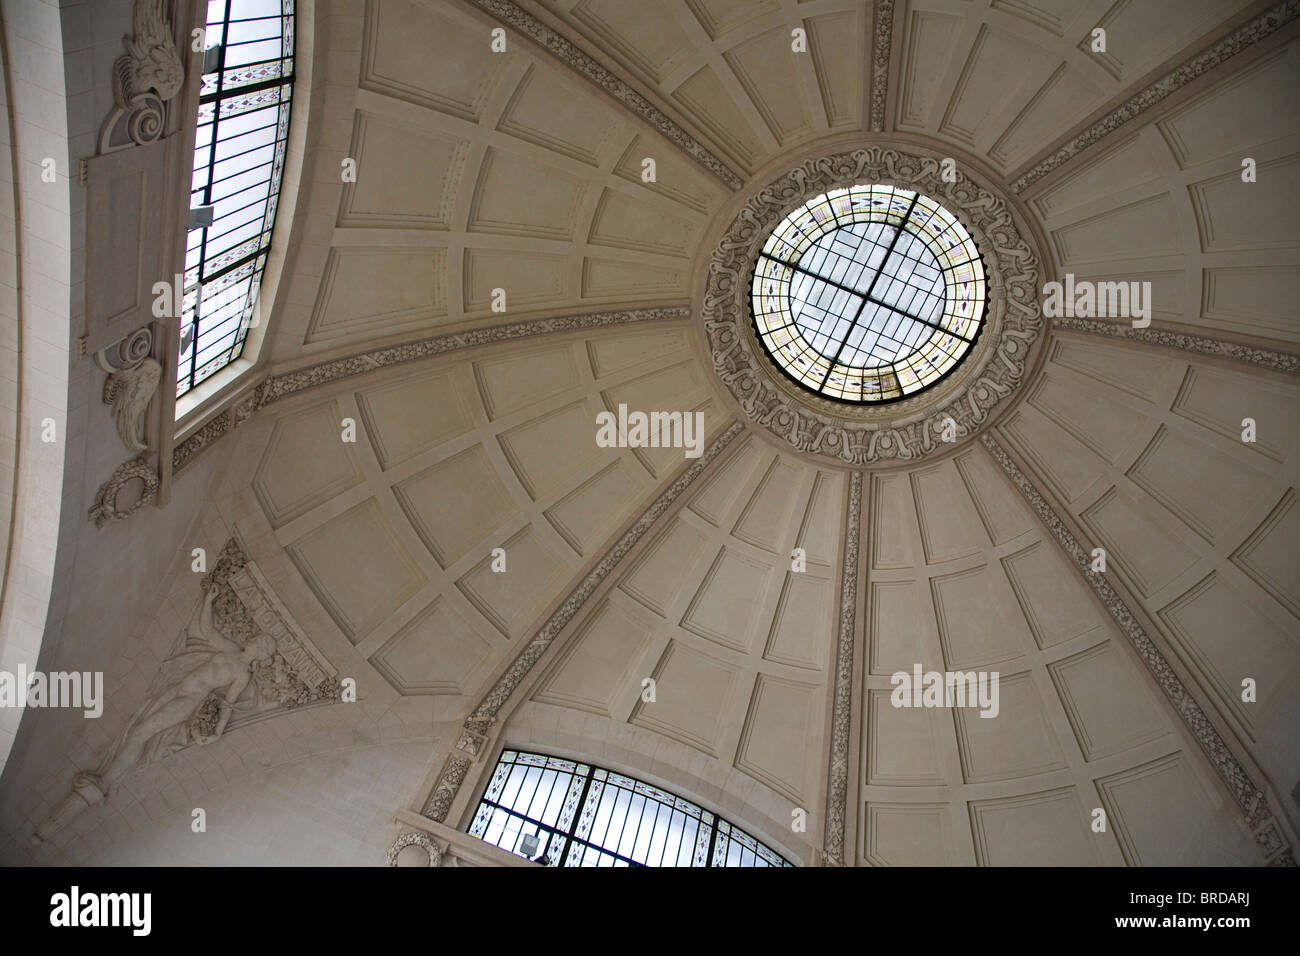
{"x":209,"y":432}
{"x":126,"y":352}
{"x":133,"y":377}
{"x":279,"y":386}
{"x":1200,"y":344}
{"x":290,"y":383}
{"x":414,"y":838}
{"x":564,"y":50}
{"x":1259,"y":818}
{"x":864,"y":434}
{"x":105,"y":508}
{"x":473,"y":738}
{"x":444,"y":792}
{"x":882,"y":40}
{"x":145,"y":78}
{"x":1266,"y":23}
{"x":837,"y":787}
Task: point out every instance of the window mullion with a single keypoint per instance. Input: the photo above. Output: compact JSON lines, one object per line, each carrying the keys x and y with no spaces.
{"x":713,"y":839}
{"x":582,"y":806}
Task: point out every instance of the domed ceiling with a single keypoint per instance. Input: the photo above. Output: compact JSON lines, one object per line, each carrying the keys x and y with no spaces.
{"x":771,"y":586}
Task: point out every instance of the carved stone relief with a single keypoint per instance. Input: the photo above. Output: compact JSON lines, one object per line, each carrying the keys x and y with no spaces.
{"x":1273,"y":359}
{"x":132,"y":381}
{"x":145,"y":78}
{"x":132,"y":485}
{"x":432,"y":855}
{"x":239,"y":658}
{"x":882,"y":38}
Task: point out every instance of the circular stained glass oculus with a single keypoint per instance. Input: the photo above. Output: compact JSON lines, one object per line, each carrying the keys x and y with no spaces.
{"x":868,"y":294}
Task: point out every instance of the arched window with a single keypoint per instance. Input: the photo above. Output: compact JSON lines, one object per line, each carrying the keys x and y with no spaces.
{"x":239,"y":148}
{"x":565,"y":813}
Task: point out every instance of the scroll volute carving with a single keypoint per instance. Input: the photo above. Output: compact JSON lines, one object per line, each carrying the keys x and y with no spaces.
{"x":145,"y":78}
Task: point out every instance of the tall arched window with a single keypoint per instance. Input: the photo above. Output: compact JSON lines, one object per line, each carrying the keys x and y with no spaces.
{"x":239,"y":148}
{"x":566,"y":813}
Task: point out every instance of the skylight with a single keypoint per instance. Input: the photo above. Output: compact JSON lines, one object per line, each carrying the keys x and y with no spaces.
{"x":239,"y":150}
{"x":868,"y":294}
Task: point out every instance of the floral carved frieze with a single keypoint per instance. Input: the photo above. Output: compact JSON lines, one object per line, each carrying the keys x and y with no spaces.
{"x":837,"y":789}
{"x":1278,"y":361}
{"x":432,"y":851}
{"x":912,"y":429}
{"x":882,"y":37}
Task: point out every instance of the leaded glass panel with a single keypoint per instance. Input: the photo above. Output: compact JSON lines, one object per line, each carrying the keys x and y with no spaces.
{"x":588,"y":816}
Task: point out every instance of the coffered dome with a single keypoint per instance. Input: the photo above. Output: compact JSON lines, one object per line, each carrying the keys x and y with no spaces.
{"x":667,"y":399}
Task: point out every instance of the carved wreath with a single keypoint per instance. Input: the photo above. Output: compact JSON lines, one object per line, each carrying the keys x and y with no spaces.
{"x":138,"y":469}
{"x":414,"y":838}
{"x":808,"y":424}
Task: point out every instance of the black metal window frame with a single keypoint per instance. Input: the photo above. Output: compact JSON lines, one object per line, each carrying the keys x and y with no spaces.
{"x":578,"y":795}
{"x":223,"y":275}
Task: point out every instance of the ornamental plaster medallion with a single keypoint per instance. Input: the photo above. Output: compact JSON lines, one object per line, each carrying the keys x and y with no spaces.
{"x":903,"y":431}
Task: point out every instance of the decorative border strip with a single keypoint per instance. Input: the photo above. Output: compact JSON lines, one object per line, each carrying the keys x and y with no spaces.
{"x":449,"y":781}
{"x":210,"y":431}
{"x":474,"y":736}
{"x":562,"y":49}
{"x":289,"y":383}
{"x":883,"y":29}
{"x":278,"y":386}
{"x":1252,"y":800}
{"x":1200,"y":344}
{"x":837,"y":787}
{"x":1241,"y":38}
